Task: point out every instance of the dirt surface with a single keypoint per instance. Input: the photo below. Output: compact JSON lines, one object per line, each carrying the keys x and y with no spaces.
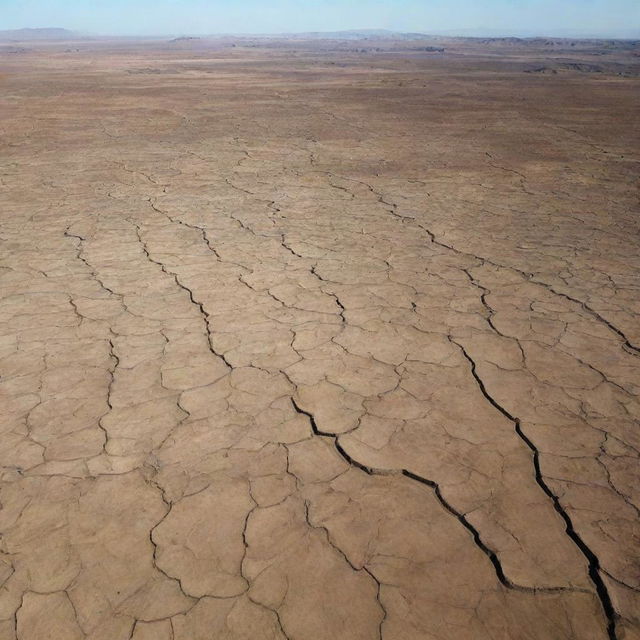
{"x":320,"y":340}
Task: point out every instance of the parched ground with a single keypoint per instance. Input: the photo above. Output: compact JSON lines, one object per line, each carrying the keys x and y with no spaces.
{"x":302,"y":341}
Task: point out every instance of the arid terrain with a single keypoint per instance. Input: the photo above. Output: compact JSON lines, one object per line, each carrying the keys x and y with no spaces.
{"x":320,"y":339}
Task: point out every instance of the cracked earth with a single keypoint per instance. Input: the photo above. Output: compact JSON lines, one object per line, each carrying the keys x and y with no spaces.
{"x":300,"y":350}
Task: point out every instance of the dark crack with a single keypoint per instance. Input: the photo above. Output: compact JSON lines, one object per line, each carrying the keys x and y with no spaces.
{"x":629,"y":347}
{"x":197,"y":303}
{"x":435,"y":487}
{"x":592,"y":559}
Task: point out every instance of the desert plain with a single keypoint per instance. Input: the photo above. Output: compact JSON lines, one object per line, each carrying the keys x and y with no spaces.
{"x":320,"y":339}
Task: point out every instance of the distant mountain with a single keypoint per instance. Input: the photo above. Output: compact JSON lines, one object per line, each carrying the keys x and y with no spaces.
{"x":53,"y":34}
{"x":355,"y":34}
{"x":571,"y":34}
{"x":27,"y":35}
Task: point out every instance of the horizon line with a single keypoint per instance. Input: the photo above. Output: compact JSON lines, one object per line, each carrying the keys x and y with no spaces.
{"x":451,"y":33}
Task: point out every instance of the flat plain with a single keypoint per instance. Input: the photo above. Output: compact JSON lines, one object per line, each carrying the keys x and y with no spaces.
{"x":320,"y":340}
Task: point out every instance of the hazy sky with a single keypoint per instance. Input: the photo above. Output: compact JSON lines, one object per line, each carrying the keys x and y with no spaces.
{"x":505,"y":17}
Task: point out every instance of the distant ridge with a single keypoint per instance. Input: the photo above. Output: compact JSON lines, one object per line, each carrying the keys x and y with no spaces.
{"x":58,"y":34}
{"x":47,"y":33}
{"x":355,"y":34}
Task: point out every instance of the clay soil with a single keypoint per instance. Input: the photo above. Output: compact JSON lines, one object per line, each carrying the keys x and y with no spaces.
{"x":320,"y":340}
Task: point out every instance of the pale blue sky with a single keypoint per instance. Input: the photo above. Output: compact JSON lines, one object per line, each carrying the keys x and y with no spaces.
{"x":619,"y":18}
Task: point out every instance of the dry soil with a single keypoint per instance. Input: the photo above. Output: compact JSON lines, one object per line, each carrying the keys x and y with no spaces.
{"x":320,"y":340}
